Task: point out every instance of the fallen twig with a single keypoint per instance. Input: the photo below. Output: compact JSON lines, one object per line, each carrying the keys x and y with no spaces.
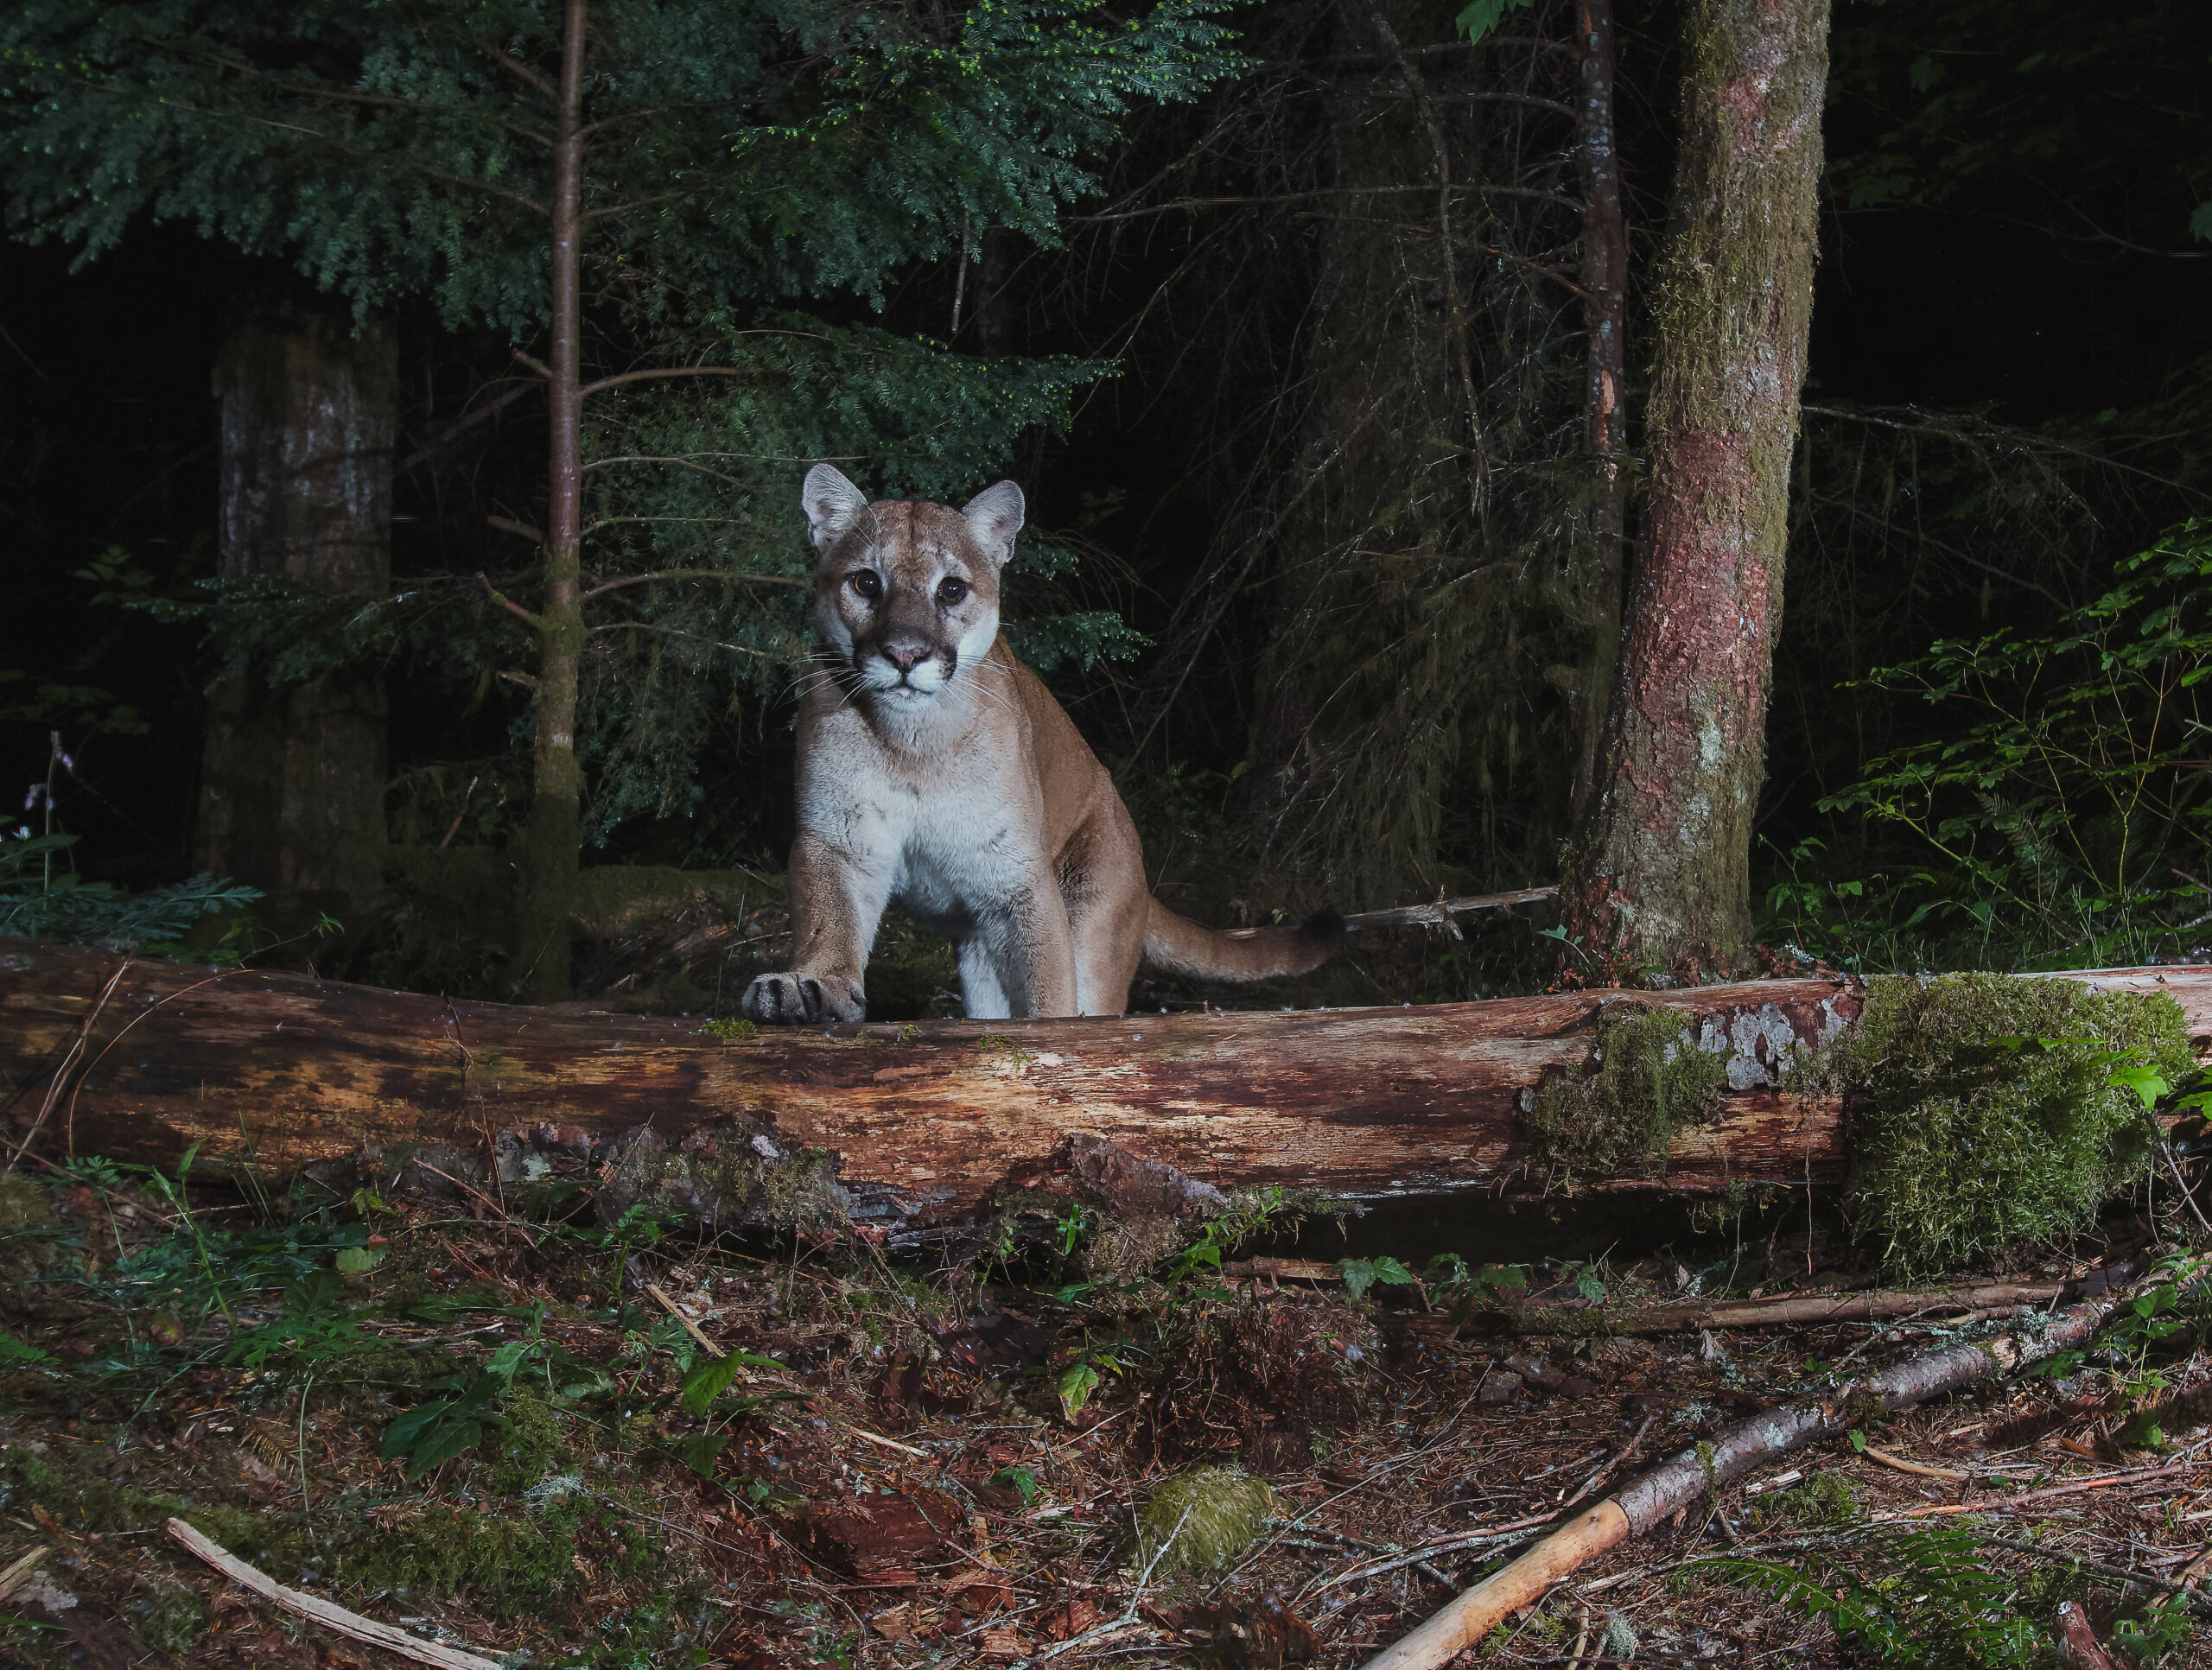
{"x":689,"y":1326}
{"x":1874,"y":1453}
{"x":2182,"y":1592}
{"x":1440,"y":914}
{"x":1699,"y":1474}
{"x":61,"y":1073}
{"x":2008,"y":1504}
{"x":350,"y":1624}
{"x":1132,"y":1616}
{"x":1584,"y":1317}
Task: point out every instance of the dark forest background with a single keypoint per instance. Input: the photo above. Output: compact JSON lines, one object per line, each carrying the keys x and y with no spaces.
{"x":1346,"y":689}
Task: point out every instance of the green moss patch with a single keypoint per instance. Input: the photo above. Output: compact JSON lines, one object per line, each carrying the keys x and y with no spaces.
{"x":1645,"y":1081}
{"x":1982,"y":1110}
{"x":1211,"y":1514}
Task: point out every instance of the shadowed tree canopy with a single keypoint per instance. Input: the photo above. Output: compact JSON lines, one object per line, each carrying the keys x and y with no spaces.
{"x":631,"y":190}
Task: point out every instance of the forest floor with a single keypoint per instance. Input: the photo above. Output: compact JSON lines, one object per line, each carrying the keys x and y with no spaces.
{"x":458,"y":1426}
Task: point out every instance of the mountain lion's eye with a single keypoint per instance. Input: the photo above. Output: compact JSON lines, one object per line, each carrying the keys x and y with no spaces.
{"x":868,"y":584}
{"x":951,"y":591}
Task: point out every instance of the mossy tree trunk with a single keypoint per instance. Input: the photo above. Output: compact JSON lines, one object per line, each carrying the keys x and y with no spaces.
{"x":292,"y":783}
{"x":1659,"y":884}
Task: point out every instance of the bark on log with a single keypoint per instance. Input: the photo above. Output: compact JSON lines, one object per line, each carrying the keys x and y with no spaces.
{"x":925,"y":1124}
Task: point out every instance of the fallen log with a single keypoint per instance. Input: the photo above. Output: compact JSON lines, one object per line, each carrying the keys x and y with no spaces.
{"x":910,"y":1125}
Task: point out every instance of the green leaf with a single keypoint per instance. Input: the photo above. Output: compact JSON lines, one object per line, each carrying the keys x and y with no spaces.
{"x":1077,"y":1385}
{"x":1018,"y":1479}
{"x":1483,"y":16}
{"x":699,"y":1451}
{"x":706,"y":1381}
{"x":2147,"y":1082}
{"x":355,"y":1259}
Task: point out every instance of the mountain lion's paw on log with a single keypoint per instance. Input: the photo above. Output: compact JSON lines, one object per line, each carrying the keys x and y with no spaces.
{"x":935,"y":769}
{"x":794,"y":999}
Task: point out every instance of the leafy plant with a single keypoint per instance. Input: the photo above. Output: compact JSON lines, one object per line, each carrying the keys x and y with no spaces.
{"x":1361,"y":1274}
{"x":2066,"y":796}
{"x":1926,"y":1600}
{"x":39,"y":901}
{"x":1080,"y":1378}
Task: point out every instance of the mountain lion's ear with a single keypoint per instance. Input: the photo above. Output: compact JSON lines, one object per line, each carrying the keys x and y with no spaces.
{"x":995,"y":517}
{"x":833,"y":504}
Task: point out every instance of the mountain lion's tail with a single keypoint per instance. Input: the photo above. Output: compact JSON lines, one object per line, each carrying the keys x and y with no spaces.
{"x":1178,"y":946}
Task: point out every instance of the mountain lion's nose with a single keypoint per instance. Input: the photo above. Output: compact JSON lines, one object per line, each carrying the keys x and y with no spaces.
{"x":903,"y":659}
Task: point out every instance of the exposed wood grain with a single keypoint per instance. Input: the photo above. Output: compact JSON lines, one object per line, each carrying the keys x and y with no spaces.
{"x":1363,"y":1103}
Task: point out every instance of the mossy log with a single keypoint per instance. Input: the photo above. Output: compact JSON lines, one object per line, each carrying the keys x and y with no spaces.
{"x":919,"y":1124}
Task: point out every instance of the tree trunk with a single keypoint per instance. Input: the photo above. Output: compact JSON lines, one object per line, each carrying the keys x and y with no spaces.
{"x":1605,"y":308}
{"x":923,"y":1124}
{"x":292,"y":781}
{"x":554,"y":831}
{"x":1660,"y":883}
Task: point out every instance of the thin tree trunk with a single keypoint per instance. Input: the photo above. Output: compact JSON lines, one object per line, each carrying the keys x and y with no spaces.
{"x":292,"y":789}
{"x":1604,"y":305}
{"x":554,"y":831}
{"x":1659,"y":875}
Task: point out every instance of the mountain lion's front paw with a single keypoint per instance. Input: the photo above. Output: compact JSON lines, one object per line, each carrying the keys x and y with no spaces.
{"x":791,"y":1000}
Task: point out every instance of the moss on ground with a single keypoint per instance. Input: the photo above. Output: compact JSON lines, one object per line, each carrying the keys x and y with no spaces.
{"x":1210,"y":1513}
{"x":518,"y":1556}
{"x":1825,"y":1500}
{"x":1983,"y":1112}
{"x":1646,"y":1080}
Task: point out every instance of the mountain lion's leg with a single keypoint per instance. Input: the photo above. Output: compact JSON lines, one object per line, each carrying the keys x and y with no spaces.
{"x":1025,"y":940}
{"x":981,"y":995}
{"x":1107,"y":905}
{"x":836,"y":904}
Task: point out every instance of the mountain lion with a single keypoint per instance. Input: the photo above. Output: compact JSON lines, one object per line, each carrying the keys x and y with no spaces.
{"x":937,"y":770}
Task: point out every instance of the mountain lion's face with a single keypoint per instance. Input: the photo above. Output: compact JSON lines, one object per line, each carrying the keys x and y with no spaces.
{"x":907,"y":593}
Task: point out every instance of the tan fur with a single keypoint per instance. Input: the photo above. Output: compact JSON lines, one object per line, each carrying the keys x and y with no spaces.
{"x":935,"y":769}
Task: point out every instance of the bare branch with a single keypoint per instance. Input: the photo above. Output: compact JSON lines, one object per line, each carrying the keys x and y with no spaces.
{"x":446,"y":435}
{"x":517,"y":67}
{"x":534,"y":362}
{"x":509,"y":603}
{"x":671,"y":632}
{"x":672,"y":371}
{"x":508,"y":524}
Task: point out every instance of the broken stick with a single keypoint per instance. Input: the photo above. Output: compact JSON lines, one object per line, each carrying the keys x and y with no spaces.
{"x":1693,"y":1475}
{"x":350,"y":1624}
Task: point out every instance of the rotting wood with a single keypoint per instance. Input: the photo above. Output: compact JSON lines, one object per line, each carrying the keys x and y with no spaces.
{"x":350,"y":1624}
{"x":1698,"y":1475}
{"x":923,"y":1124}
